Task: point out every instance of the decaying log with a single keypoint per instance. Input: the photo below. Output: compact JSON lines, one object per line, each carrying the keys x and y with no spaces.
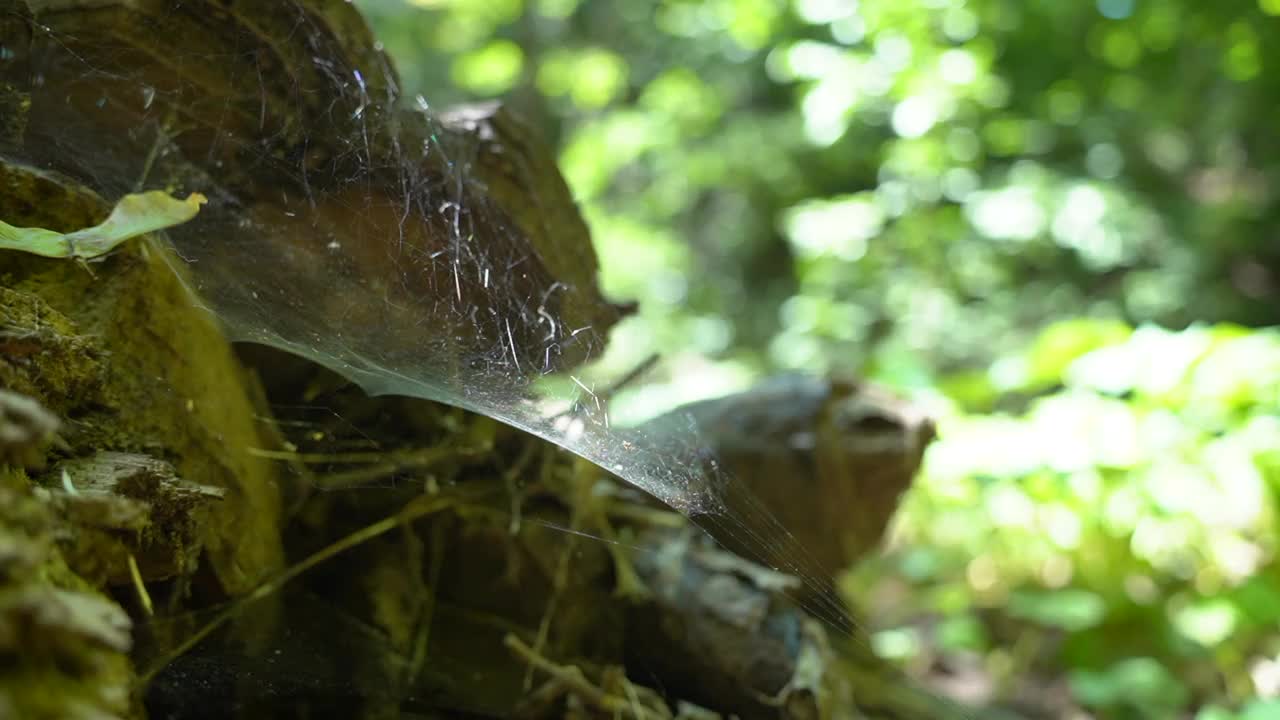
{"x":337,"y":201}
{"x":63,"y":645}
{"x":25,"y":430}
{"x":721,"y":631}
{"x":130,"y":364}
{"x":126,"y":363}
{"x":463,"y":570}
{"x":702,"y":625}
{"x":130,"y":516}
{"x":828,"y":459}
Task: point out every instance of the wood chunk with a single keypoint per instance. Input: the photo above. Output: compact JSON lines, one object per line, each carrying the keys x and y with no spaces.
{"x":125,"y":505}
{"x":719,"y":631}
{"x":62,"y":645}
{"x":25,"y":428}
{"x":828,"y":459}
{"x":41,"y":619}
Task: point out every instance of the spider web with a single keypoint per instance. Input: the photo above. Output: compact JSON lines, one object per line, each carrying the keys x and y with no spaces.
{"x":348,"y":225}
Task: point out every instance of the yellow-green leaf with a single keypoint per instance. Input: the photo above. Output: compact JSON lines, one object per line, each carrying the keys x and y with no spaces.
{"x":134,"y":215}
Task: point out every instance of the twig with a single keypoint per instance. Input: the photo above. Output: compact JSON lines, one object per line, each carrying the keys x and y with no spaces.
{"x":418,"y":508}
{"x":140,"y":587}
{"x":603,"y":397}
{"x":559,"y":582}
{"x":426,"y":615}
{"x":632,"y":375}
{"x":572,"y":678}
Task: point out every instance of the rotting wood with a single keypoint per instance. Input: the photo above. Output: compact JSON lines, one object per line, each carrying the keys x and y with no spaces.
{"x":120,"y":356}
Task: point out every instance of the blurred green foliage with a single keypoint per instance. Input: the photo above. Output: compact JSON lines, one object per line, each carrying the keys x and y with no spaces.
{"x":1124,"y":525}
{"x":977,"y":201}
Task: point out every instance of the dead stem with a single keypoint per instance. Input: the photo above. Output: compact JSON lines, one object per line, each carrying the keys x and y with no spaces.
{"x":514,"y":489}
{"x":422,"y":638}
{"x":557,"y":589}
{"x":572,"y":678}
{"x":380,"y":463}
{"x":139,"y":587}
{"x":416,"y":509}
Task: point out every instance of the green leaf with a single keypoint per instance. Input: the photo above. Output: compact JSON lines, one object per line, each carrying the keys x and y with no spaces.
{"x":1070,"y":609}
{"x":1261,"y":710}
{"x":1213,"y":712}
{"x":490,"y":70}
{"x":134,"y":215}
{"x":896,"y":643}
{"x":963,"y":632}
{"x":1063,"y":342}
{"x":1209,"y":623}
{"x":1135,"y":683}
